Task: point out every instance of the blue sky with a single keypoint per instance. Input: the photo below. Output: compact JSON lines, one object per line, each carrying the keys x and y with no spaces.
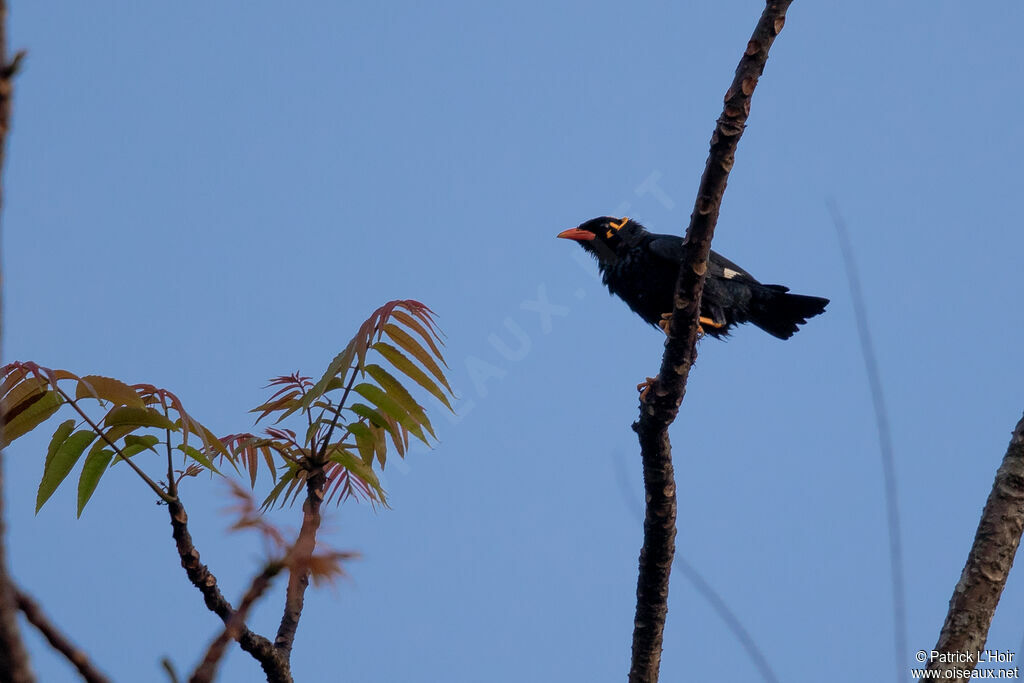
{"x":205,"y":197}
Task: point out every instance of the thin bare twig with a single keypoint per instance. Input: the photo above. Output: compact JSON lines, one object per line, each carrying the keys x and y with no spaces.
{"x":977,"y":593}
{"x":168,"y":666}
{"x":34,"y":614}
{"x":662,"y":402}
{"x":867,"y":347}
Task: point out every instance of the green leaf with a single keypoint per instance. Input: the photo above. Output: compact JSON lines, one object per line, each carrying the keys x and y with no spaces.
{"x":139,"y":417}
{"x":314,"y":428}
{"x":359,"y":468}
{"x":375,"y":418}
{"x":31,"y":417}
{"x":197,"y":455}
{"x":365,"y":440}
{"x":212,"y":443}
{"x":381,"y":423}
{"x":111,"y":436}
{"x":335,"y":384}
{"x":402,"y":338}
{"x":61,"y":464}
{"x":275,"y":493}
{"x":108,"y":389}
{"x":411,"y":370}
{"x":144,"y":441}
{"x":389,"y":405}
{"x":60,"y":435}
{"x":396,"y":391}
{"x":133,"y":445}
{"x":341,"y":362}
{"x":95,"y":465}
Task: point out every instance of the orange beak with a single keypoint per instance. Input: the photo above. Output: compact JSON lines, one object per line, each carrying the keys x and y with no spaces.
{"x":577,"y":234}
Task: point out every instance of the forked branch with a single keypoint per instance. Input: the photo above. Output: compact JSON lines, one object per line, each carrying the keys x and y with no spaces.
{"x":207,"y":669}
{"x":274,"y":666}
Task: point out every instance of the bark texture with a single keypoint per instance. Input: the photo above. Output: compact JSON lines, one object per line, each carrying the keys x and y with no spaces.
{"x":298,"y":577}
{"x":207,"y":669}
{"x":995,"y":544}
{"x":661,"y":405}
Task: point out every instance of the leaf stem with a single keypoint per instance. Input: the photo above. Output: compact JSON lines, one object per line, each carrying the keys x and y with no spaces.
{"x":164,"y":496}
{"x":337,"y":416}
{"x":172,"y":484}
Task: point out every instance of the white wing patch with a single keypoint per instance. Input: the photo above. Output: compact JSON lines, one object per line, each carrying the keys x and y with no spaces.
{"x":729,"y":273}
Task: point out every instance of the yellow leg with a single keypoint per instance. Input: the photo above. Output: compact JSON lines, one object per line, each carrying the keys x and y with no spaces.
{"x":704,"y":320}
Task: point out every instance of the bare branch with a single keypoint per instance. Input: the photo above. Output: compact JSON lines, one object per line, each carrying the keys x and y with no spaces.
{"x":34,"y":614}
{"x":977,"y":592}
{"x":274,"y":666}
{"x":298,"y":577}
{"x":207,"y":669}
{"x":662,"y":402}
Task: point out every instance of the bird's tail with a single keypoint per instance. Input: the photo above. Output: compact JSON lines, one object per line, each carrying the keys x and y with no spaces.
{"x":780,"y":314}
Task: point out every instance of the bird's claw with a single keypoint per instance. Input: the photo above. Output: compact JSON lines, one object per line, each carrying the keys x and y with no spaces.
{"x":645,"y":387}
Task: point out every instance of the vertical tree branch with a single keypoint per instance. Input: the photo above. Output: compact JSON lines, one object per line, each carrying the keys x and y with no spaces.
{"x":298,"y":576}
{"x":14,"y":665}
{"x":988,"y":564}
{"x":34,"y":614}
{"x":662,"y":402}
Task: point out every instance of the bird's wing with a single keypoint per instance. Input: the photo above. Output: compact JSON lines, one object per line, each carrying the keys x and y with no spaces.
{"x":723,"y":267}
{"x":672,"y":248}
{"x":667,"y":247}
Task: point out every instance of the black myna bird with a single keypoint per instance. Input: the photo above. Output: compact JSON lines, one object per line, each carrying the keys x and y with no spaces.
{"x":641,"y":269}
